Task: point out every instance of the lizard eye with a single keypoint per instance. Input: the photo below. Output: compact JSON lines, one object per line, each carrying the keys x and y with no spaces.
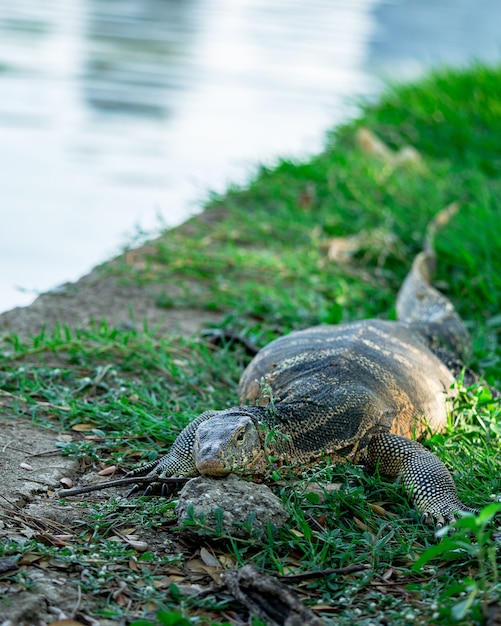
{"x":241,"y":435}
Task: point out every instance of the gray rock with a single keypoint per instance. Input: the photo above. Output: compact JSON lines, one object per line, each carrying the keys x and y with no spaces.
{"x":228,"y":506}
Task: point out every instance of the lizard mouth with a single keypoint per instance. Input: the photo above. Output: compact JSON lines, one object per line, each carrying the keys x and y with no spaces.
{"x":212,"y":467}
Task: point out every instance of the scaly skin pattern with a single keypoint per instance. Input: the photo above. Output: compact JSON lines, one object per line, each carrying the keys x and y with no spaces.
{"x":362,"y":391}
{"x":335,"y":386}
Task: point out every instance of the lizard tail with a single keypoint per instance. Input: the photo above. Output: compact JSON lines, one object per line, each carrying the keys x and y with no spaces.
{"x":424,"y":308}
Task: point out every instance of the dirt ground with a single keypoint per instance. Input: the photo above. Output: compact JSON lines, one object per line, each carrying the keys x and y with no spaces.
{"x":31,"y":468}
{"x":101,"y":295}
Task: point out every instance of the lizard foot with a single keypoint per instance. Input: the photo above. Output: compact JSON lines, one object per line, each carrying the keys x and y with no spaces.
{"x":164,"y":480}
{"x":445,"y":516}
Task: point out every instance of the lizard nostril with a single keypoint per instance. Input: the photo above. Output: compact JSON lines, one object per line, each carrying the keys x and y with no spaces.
{"x":209,"y":450}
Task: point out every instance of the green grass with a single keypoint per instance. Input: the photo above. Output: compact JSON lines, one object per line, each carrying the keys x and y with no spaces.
{"x":259,"y":256}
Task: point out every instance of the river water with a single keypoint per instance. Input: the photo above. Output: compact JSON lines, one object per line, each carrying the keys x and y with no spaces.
{"x":118,"y":117}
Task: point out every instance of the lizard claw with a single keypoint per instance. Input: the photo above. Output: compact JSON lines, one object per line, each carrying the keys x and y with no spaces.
{"x":165,"y":490}
{"x":154,"y":470}
{"x":132,"y":491}
{"x":441,"y":519}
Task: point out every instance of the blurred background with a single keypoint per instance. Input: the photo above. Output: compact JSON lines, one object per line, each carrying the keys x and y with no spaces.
{"x":119,"y":117}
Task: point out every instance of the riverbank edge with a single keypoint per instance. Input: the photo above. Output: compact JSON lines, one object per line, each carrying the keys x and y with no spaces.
{"x":103,"y":295}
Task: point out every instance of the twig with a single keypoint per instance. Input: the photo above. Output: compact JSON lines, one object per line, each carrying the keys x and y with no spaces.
{"x":79,"y":600}
{"x":137,"y":480}
{"x":29,"y":454}
{"x":39,"y":524}
{"x":12,"y":504}
{"x":349,"y":569}
{"x":7,"y":394}
{"x":47,"y":453}
{"x":8,"y":444}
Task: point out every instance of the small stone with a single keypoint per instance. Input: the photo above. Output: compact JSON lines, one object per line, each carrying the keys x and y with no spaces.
{"x":229,"y":506}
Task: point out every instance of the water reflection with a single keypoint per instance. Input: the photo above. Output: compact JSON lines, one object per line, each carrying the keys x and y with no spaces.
{"x":139,"y":52}
{"x":411,"y":35}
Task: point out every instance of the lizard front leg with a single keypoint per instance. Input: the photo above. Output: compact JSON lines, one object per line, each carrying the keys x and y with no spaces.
{"x":178,"y":462}
{"x":426,"y":479}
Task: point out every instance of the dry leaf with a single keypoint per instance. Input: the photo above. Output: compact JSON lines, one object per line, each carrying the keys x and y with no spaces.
{"x":372,"y":144}
{"x":208,"y":558}
{"x":197,"y":566}
{"x":387,"y":575}
{"x":107,"y":471}
{"x":363,"y":526}
{"x":51,"y":540}
{"x":189,"y":590}
{"x":137,"y":544}
{"x":83,"y":428}
{"x":342,"y":249}
{"x":166,"y":581}
{"x":321,"y":520}
{"x":408,"y":154}
{"x":176,"y":578}
{"x":227,"y":561}
{"x":29,"y":558}
{"x":215,"y":574}
{"x":378,"y":509}
{"x":123,"y":600}
{"x":322,"y":488}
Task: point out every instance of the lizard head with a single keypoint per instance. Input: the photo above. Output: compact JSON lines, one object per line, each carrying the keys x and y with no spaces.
{"x":227,"y":442}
